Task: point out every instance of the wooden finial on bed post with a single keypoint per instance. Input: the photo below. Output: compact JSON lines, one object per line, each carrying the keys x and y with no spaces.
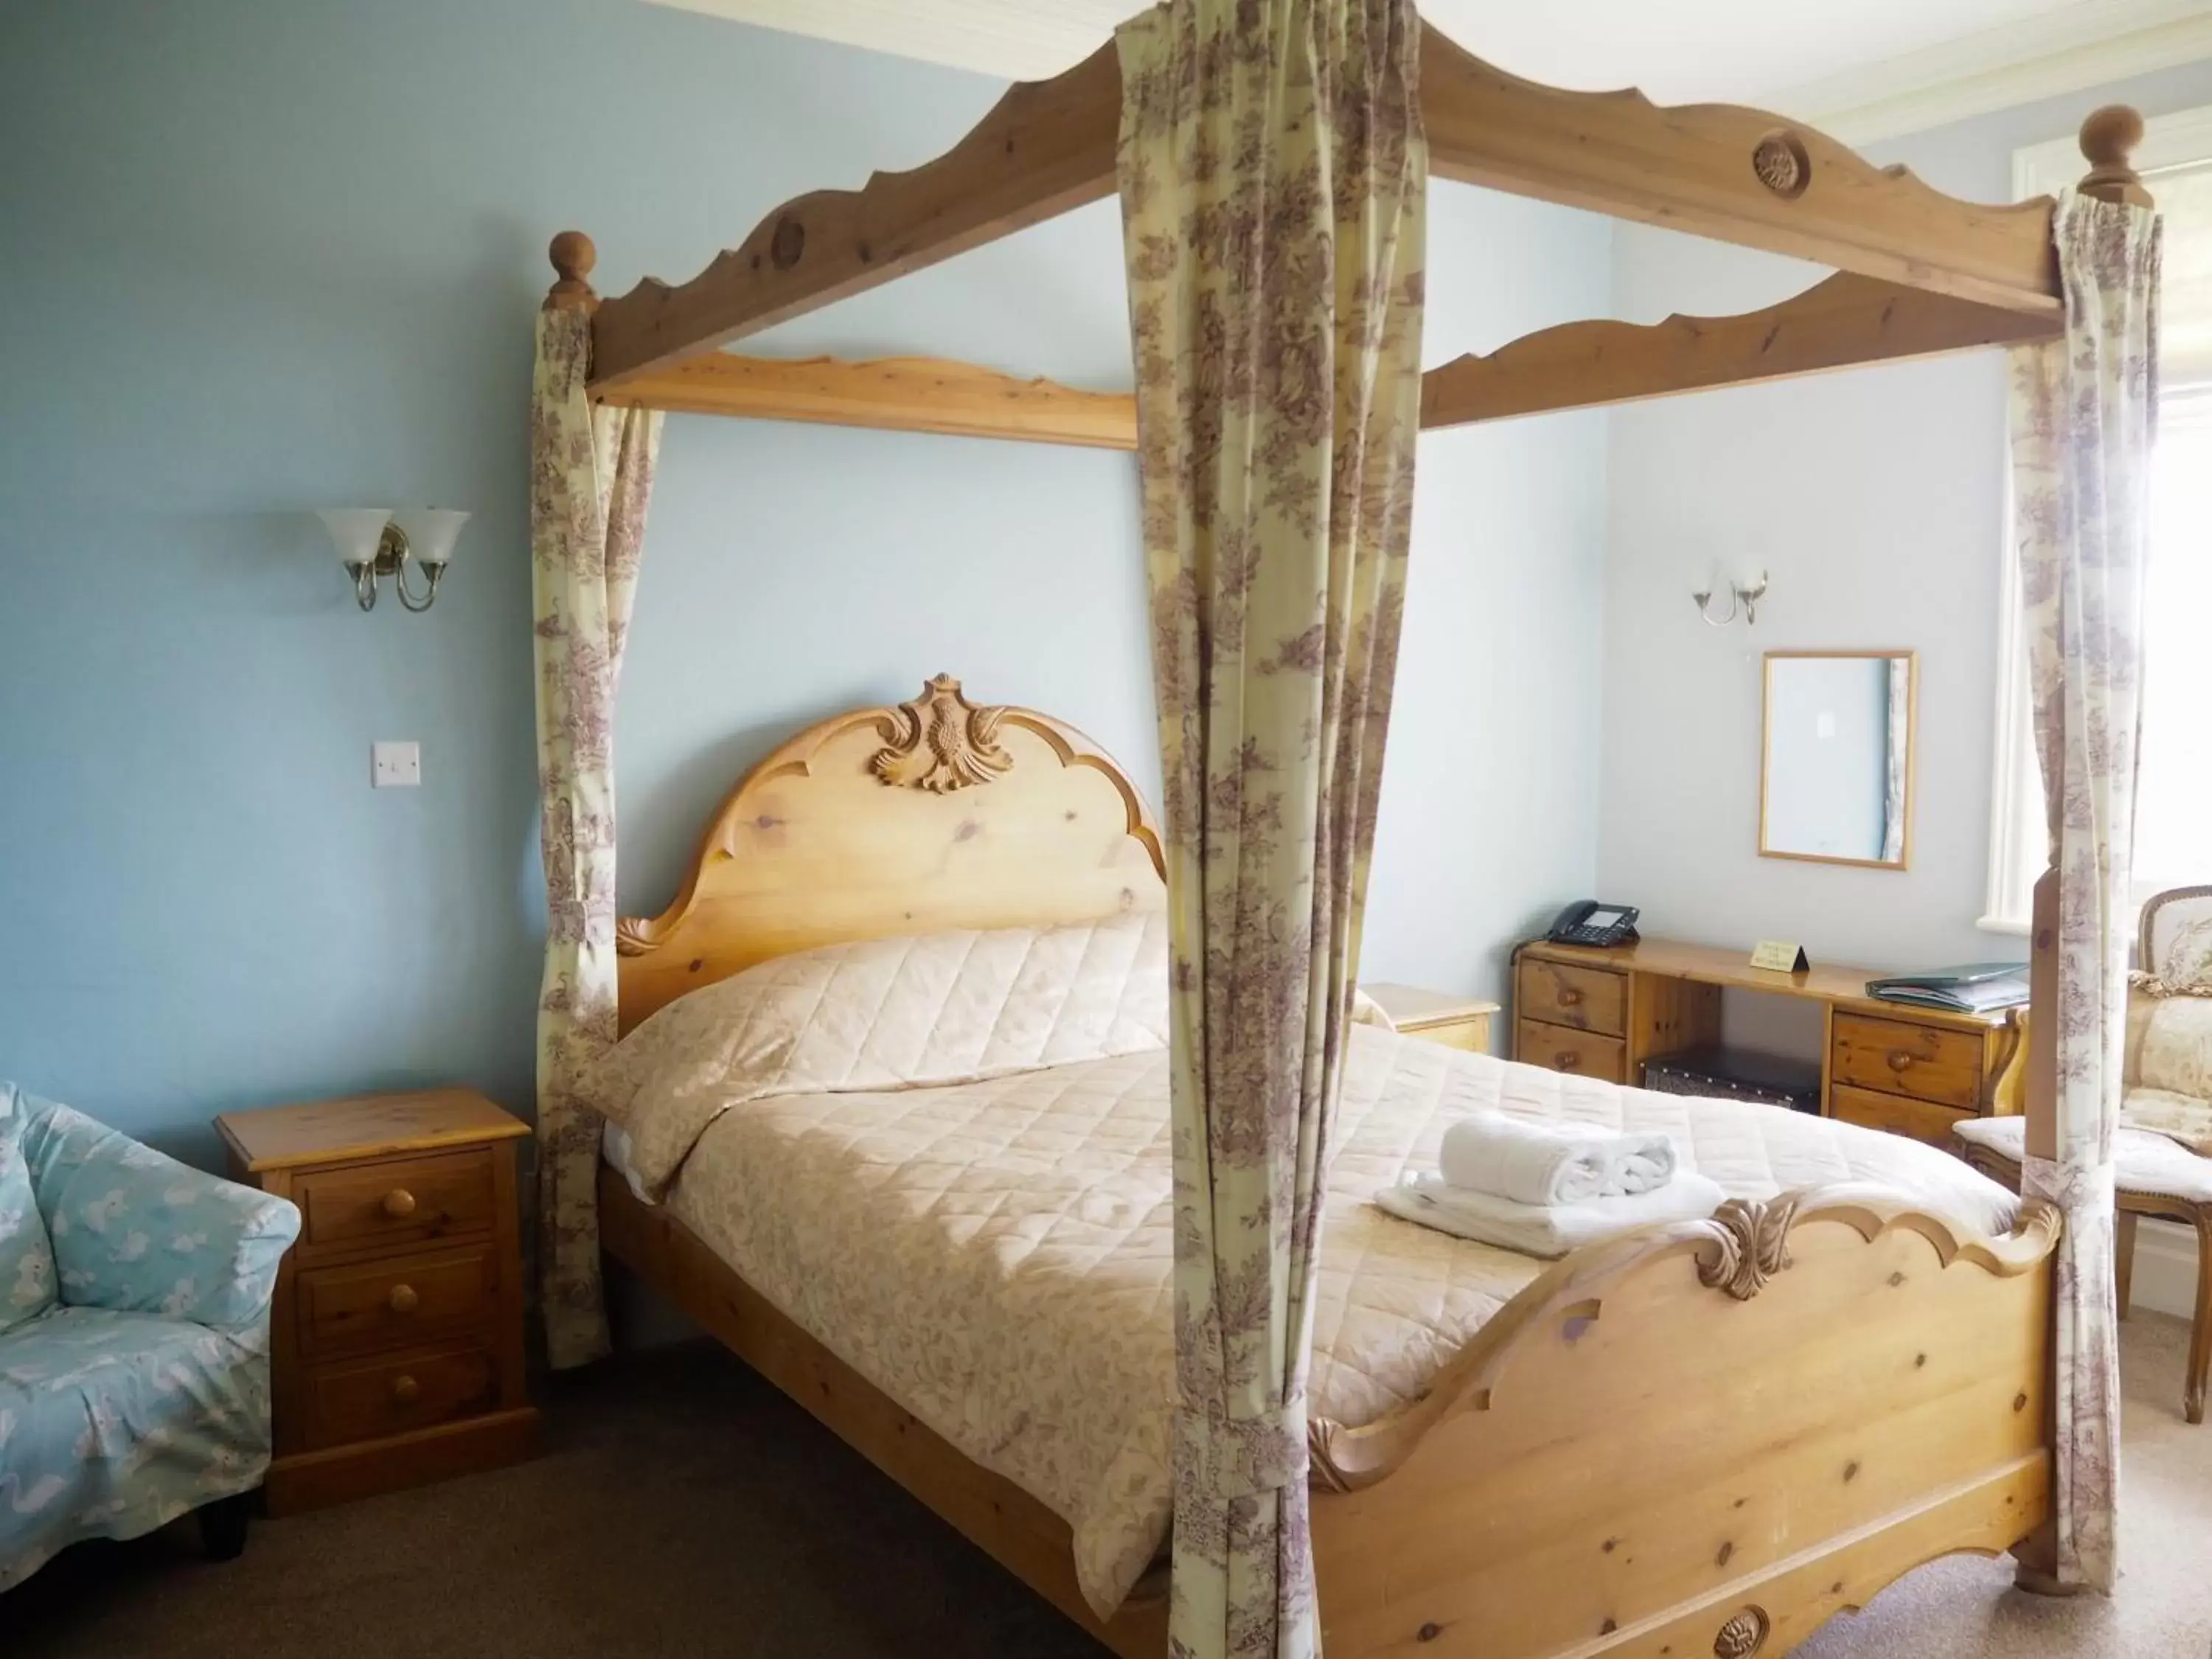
{"x":2109,"y":137}
{"x":573,"y":257}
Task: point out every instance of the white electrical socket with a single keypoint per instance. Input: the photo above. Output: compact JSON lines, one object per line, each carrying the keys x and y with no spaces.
{"x":395,"y":765}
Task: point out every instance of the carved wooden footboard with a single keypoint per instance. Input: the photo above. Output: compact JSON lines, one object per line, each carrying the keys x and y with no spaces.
{"x":1702,"y":1438}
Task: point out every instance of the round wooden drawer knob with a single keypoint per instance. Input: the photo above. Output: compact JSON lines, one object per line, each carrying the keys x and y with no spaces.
{"x":405,"y":1390}
{"x":1898,"y":1060}
{"x":399,"y":1203}
{"x":404,"y":1299}
{"x":1569,"y":996}
{"x":1566,"y":1062}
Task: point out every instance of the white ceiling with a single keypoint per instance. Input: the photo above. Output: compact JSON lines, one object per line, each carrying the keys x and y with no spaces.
{"x":1862,"y":66}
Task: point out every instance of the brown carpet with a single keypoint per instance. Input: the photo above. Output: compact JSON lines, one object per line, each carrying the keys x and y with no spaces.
{"x":685,"y":1508}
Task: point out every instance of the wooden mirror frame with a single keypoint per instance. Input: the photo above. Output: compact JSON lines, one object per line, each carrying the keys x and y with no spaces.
{"x":1912,"y":659}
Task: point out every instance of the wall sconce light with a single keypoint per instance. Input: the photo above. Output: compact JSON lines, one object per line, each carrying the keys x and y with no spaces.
{"x":1747,"y":595}
{"x":375,"y":542}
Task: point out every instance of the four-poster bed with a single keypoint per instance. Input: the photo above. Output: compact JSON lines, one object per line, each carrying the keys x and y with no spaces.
{"x":1654,"y":1436}
{"x":1705,"y":1438}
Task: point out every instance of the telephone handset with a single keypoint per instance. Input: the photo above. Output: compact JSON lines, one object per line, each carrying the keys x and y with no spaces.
{"x":1590,"y":921}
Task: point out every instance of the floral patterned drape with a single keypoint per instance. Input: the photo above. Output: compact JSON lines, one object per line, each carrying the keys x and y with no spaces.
{"x":590,"y":474}
{"x":1273,"y":175}
{"x":2084,"y":410}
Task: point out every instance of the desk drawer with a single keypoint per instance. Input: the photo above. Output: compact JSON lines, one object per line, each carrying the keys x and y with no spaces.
{"x":1567,"y":994}
{"x":370,"y":1399}
{"x":408,"y":1200}
{"x":1562,"y":1049}
{"x":397,"y":1302}
{"x":1924,"y":1061}
{"x":1898,"y":1114}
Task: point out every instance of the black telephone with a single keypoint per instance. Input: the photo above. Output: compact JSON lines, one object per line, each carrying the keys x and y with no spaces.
{"x":1590,"y":921}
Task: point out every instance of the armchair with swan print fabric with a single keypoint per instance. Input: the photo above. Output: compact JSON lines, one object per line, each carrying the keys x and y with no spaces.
{"x":2162,"y":1150}
{"x":134,"y":1335}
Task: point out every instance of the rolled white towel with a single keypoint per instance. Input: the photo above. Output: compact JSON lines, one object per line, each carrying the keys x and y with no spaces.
{"x":1643,"y":1167}
{"x":1546,"y":1229}
{"x":1533,"y":1161}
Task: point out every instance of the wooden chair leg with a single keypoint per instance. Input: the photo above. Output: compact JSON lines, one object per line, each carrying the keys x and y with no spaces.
{"x":2200,"y":1341}
{"x":2124,"y":1260}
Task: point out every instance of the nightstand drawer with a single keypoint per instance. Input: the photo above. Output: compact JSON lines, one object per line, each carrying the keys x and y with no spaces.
{"x":369,"y":1399}
{"x":1899,"y":1114}
{"x":1562,"y":994}
{"x":1924,"y":1061}
{"x":1562,"y":1049}
{"x":397,"y":1304}
{"x":401,"y":1201}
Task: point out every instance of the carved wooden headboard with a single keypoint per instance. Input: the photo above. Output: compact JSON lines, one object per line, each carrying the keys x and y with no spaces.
{"x":932,"y":815}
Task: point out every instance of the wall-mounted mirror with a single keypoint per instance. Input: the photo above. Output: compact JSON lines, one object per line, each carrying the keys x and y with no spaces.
{"x":1836,"y":769}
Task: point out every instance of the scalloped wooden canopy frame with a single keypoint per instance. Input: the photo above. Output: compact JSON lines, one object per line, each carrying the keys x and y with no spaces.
{"x":1920,"y":273}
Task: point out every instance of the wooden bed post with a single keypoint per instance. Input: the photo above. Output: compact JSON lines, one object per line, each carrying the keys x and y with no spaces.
{"x":573,"y":255}
{"x":2109,"y":137}
{"x":2042,"y":1091}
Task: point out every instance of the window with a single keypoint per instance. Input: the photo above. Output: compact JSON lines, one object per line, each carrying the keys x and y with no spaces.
{"x":2173,"y":800}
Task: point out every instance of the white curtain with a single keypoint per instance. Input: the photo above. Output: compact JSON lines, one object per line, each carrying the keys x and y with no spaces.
{"x":2084,"y":413}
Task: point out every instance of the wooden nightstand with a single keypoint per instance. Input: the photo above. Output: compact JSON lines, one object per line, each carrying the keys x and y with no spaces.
{"x":1456,"y":1021}
{"x":397,"y":1335}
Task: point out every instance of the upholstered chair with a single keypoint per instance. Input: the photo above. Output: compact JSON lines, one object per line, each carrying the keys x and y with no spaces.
{"x":2168,"y":1079}
{"x":134,"y":1338}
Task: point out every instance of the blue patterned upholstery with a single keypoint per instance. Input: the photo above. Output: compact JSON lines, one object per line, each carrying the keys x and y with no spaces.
{"x":145,"y":1393}
{"x":27,"y":1255}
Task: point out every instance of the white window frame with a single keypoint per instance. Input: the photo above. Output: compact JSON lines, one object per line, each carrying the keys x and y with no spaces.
{"x":2017,"y":846}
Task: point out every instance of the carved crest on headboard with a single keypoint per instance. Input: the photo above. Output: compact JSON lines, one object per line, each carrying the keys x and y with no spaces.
{"x":939,"y":741}
{"x":1753,"y":1245}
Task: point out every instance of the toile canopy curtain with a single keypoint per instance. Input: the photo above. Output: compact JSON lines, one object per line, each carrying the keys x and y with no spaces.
{"x":2084,"y":409}
{"x":590,"y":474}
{"x":1272,"y":177}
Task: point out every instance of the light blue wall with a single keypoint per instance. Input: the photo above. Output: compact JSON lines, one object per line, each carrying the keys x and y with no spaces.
{"x":262,"y":258}
{"x":1875,"y":500}
{"x":274,"y":255}
{"x":1488,"y":812}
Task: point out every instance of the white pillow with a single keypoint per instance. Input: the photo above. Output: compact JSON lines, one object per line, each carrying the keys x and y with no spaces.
{"x":884,"y":1014}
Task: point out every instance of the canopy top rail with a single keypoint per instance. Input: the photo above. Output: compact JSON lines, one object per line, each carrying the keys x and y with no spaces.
{"x":1735,"y":174}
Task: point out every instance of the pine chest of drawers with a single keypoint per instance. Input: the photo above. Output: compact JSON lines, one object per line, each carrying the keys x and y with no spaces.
{"x":395,"y":1338}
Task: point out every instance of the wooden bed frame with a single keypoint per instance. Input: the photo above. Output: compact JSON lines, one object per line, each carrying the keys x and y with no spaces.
{"x":1699,"y":1438}
{"x":1706,"y":1438}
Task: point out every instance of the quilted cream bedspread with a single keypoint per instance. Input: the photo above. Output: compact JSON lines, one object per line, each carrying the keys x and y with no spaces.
{"x":994,"y":1254}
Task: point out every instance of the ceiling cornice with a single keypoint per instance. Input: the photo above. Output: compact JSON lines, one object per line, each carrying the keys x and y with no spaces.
{"x":1014,"y":39}
{"x":2084,"y":44}
{"x":2089,"y":44}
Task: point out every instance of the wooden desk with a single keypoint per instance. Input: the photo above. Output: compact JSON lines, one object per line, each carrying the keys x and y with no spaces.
{"x":1603,"y":1013}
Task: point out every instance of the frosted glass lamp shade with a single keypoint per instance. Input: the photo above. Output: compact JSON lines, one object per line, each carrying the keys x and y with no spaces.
{"x":355,"y":531}
{"x":431,"y":532}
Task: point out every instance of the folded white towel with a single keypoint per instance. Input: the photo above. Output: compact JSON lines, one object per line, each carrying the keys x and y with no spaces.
{"x":1538,"y":1161}
{"x":1546,"y":1230}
